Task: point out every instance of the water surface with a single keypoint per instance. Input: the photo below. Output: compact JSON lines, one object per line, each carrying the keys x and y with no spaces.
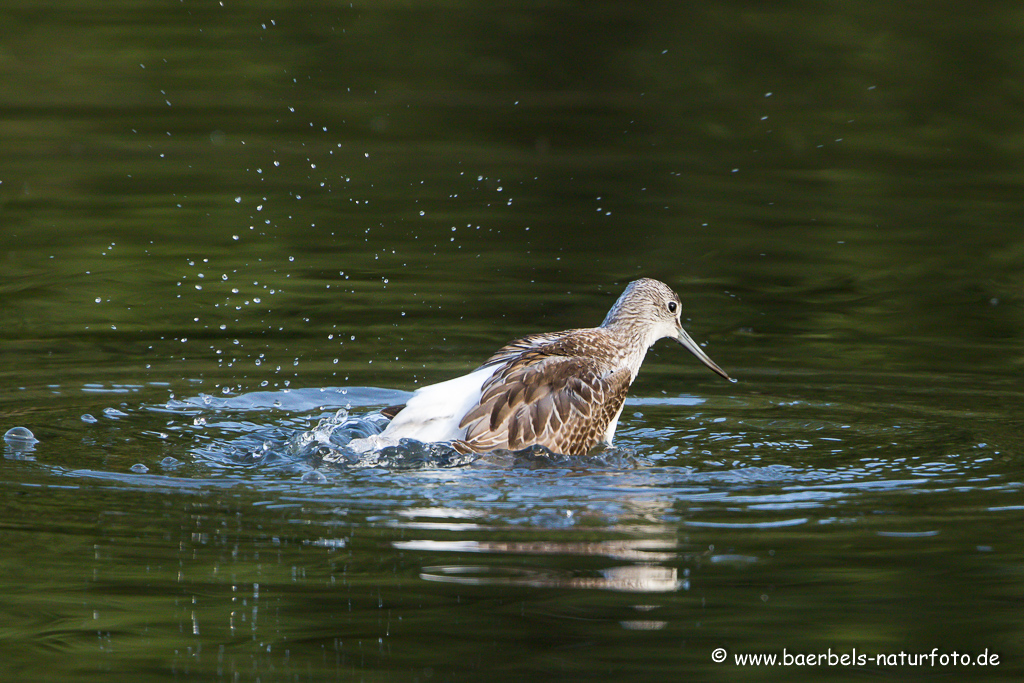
{"x":229,"y":234}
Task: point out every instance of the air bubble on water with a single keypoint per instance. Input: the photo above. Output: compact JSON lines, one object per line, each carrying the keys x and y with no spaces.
{"x":20,"y":435}
{"x":313,"y":477}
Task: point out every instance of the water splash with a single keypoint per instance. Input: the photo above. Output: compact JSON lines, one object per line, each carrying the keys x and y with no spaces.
{"x":227,"y":435}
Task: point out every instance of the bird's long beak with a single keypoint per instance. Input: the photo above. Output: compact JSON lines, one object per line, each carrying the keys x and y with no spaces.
{"x":691,"y":345}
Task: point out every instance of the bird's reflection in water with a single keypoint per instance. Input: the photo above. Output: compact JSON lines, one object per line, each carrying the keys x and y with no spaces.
{"x":644,"y":576}
{"x":637,"y":578}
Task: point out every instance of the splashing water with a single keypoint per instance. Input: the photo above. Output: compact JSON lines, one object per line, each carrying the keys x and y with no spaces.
{"x":227,"y":434}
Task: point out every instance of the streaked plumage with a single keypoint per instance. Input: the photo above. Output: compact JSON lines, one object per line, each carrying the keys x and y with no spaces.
{"x":562,"y":390}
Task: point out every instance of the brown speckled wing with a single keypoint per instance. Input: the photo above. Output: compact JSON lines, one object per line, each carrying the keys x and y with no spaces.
{"x":545,"y":343}
{"x":540,"y":396}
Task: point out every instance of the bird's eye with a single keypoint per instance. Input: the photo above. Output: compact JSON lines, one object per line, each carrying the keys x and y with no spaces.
{"x":672,"y":307}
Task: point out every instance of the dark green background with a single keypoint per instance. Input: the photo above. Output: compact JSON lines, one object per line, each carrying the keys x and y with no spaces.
{"x":205,"y":198}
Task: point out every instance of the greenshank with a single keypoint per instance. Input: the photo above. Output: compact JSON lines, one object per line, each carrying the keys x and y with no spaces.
{"x":561,"y":390}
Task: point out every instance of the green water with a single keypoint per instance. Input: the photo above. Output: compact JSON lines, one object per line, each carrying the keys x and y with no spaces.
{"x":222,"y":223}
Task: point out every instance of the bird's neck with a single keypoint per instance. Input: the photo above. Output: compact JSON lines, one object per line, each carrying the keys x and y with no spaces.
{"x":633,"y":345}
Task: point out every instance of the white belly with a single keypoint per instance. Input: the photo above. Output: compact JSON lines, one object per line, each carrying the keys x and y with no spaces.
{"x":609,"y":433}
{"x":432,"y":414}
